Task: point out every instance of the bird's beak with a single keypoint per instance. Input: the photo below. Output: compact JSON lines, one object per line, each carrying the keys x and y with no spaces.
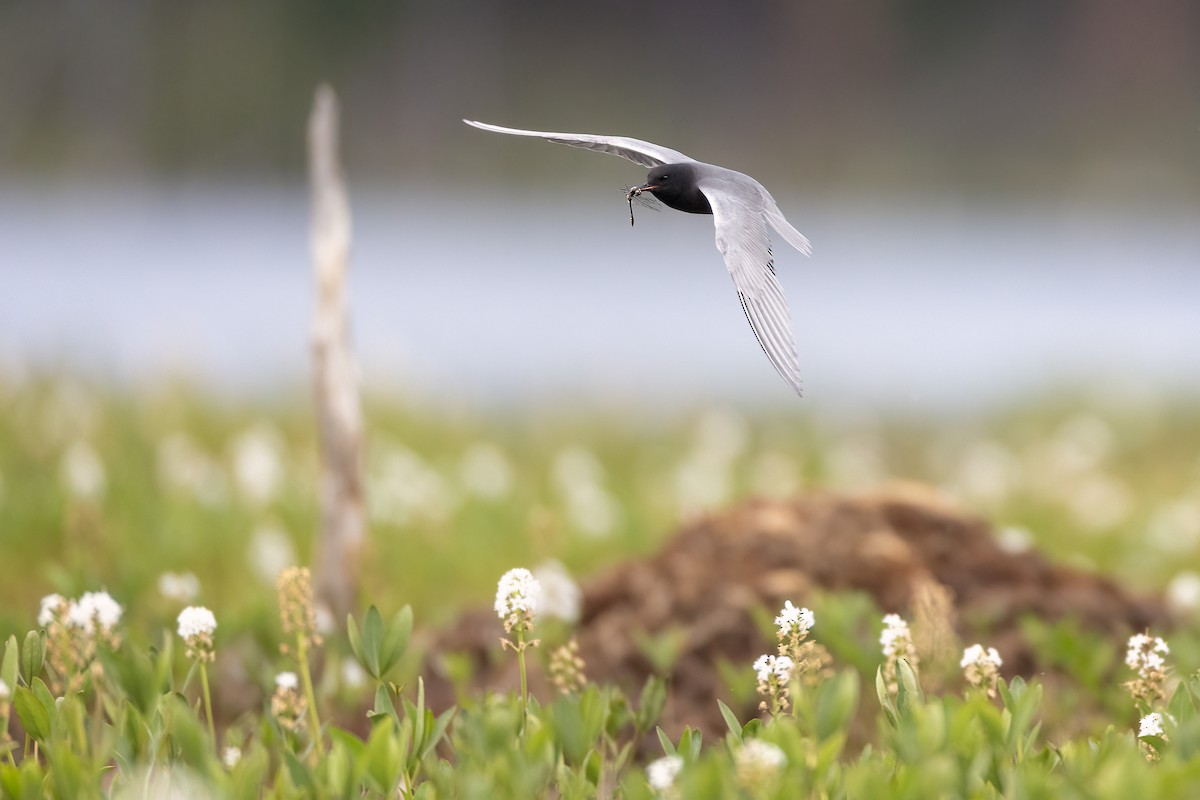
{"x":647,"y":187}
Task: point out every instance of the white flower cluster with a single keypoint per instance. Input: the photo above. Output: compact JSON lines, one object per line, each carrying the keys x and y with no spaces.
{"x":793,"y":620}
{"x":896,"y":637}
{"x":1150,"y":725}
{"x":196,"y":621}
{"x":661,"y":773}
{"x":518,"y":597}
{"x":5,"y":692}
{"x":758,"y":762}
{"x":287,"y":681}
{"x":560,"y":596}
{"x":94,"y":612}
{"x":182,"y":587}
{"x":976,"y":656}
{"x":779,"y":667}
{"x":230,"y":756}
{"x":1145,"y":653}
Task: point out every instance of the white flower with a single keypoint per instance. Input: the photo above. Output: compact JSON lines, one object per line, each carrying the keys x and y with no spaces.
{"x":779,"y":666}
{"x":895,"y":630}
{"x":286,"y":680}
{"x":560,"y":597}
{"x":976,"y":655}
{"x":5,"y":692}
{"x":258,"y":463}
{"x":757,"y":761}
{"x":661,"y":773}
{"x":517,"y":594}
{"x":353,"y":675}
{"x":95,"y":610}
{"x":51,"y":604}
{"x":1150,"y":725}
{"x":270,"y":552}
{"x":179,"y":586}
{"x":230,"y":756}
{"x":794,"y":619}
{"x":196,"y":621}
{"x":83,"y":471}
{"x":1146,"y":653}
{"x":485,"y":472}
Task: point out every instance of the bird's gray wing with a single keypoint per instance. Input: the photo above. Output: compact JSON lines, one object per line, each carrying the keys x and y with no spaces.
{"x":741,"y":216}
{"x":784,"y":228}
{"x":647,"y":154}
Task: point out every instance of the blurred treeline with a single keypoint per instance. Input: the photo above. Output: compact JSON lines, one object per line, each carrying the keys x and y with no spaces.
{"x":1100,"y":97}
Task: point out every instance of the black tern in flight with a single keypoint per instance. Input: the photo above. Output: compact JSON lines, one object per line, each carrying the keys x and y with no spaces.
{"x":741,"y":209}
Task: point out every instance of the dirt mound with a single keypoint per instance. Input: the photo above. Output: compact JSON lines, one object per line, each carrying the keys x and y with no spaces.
{"x":709,"y":576}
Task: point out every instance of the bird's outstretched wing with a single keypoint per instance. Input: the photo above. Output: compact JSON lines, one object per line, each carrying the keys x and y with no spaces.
{"x":647,"y":154}
{"x":741,"y":215}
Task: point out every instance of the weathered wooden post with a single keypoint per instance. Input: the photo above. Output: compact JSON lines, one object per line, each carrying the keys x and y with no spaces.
{"x":335,"y":377}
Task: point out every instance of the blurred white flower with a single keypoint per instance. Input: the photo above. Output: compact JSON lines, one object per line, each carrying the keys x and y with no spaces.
{"x":518,"y":599}
{"x":576,"y":465}
{"x":287,"y":680}
{"x":579,"y":477}
{"x":896,"y":638}
{"x":485,"y":471}
{"x":977,"y":656}
{"x":230,"y":756}
{"x":1145,"y":653}
{"x":1014,"y":539}
{"x":981,"y":667}
{"x":183,"y":466}
{"x":5,"y":691}
{"x":721,"y":434}
{"x":1150,"y":725}
{"x":1099,"y":501}
{"x":1183,"y":592}
{"x":196,"y":621}
{"x":51,"y":606}
{"x":662,"y":773}
{"x":95,"y":611}
{"x":83,"y":472}
{"x":778,"y":667}
{"x":182,"y":587}
{"x":987,"y":473}
{"x":1175,"y":525}
{"x":758,"y":763}
{"x":353,"y":675}
{"x":257,"y":454}
{"x":404,"y":488}
{"x":701,"y":482}
{"x":560,"y":596}
{"x":271,"y":552}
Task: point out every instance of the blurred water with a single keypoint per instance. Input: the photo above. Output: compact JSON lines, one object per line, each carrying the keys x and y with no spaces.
{"x":501,"y":297}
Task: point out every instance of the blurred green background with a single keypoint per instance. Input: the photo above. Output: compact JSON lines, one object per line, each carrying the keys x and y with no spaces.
{"x":1002,"y":199}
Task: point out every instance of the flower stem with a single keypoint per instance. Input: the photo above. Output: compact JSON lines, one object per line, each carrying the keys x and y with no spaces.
{"x":524,"y":685}
{"x":310,"y":696}
{"x":212,"y":733}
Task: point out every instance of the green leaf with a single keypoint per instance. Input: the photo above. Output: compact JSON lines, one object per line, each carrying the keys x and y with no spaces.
{"x":372,"y":636}
{"x":651,"y":702}
{"x":299,"y":773}
{"x":885,"y":698}
{"x":665,"y":741}
{"x":35,"y":718}
{"x":836,"y":700}
{"x":731,"y":721}
{"x":395,"y":641}
{"x":33,"y":656}
{"x":356,"y":645}
{"x":10,"y":665}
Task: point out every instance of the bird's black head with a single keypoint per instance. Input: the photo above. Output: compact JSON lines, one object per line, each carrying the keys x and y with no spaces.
{"x":675,"y":185}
